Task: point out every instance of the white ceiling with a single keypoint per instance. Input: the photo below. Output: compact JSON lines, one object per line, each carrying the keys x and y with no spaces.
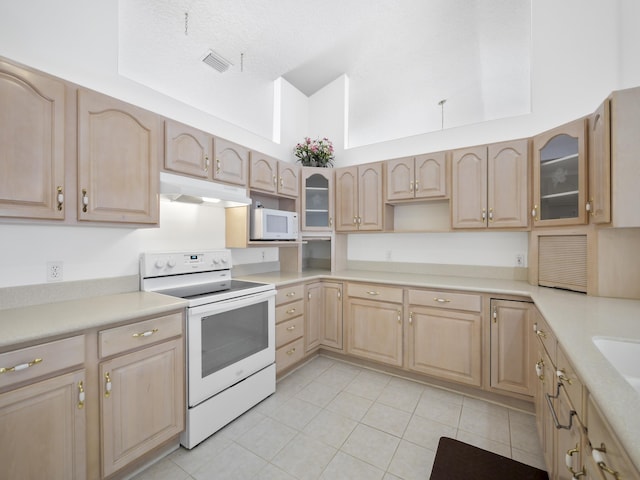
{"x":393,"y":51}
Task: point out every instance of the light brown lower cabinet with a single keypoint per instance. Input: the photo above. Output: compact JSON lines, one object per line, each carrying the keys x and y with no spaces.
{"x":606,"y":459}
{"x":42,"y":429}
{"x":290,"y":326}
{"x":445,"y":344}
{"x":374,"y":328}
{"x":142,"y":402}
{"x":511,"y":346}
{"x":545,"y":373}
{"x":323,"y":315}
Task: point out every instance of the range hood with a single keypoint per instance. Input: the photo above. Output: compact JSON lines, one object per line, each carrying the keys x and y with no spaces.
{"x":178,"y":188}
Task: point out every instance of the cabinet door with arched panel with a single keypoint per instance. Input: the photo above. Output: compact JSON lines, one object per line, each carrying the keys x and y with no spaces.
{"x":560,"y":176}
{"x":317,"y":199}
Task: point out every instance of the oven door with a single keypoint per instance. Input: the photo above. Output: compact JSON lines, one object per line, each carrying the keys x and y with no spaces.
{"x":228,"y":341}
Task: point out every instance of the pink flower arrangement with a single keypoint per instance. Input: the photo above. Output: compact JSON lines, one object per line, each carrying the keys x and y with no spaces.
{"x":314,"y":153}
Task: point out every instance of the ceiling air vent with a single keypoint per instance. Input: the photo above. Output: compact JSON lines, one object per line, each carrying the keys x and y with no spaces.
{"x":216,"y":61}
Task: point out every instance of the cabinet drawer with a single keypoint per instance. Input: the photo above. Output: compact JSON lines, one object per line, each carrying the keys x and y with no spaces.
{"x":546,"y":337}
{"x":375,"y":292}
{"x":290,"y":310}
{"x":572,"y":384}
{"x":289,"y":294}
{"x":602,"y":439}
{"x":32,"y":362}
{"x":139,"y":334}
{"x":289,"y":330}
{"x":453,"y":301}
{"x":289,"y":354}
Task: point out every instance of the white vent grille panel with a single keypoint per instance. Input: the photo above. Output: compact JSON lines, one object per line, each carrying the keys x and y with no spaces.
{"x":216,"y":61}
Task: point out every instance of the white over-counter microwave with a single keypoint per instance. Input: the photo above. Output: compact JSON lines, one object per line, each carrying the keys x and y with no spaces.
{"x":269,"y":224}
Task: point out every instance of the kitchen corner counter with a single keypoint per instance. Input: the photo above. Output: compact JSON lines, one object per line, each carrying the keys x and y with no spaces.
{"x":575,"y":319}
{"x":52,"y":320}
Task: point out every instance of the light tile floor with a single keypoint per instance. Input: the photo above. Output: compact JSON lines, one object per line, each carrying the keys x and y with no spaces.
{"x":333,"y":420}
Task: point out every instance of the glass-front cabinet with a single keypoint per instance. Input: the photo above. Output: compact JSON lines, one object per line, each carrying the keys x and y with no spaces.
{"x":317,"y":199}
{"x":559,"y":176}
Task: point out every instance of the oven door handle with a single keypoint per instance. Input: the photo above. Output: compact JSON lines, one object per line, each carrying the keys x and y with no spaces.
{"x":238,"y":302}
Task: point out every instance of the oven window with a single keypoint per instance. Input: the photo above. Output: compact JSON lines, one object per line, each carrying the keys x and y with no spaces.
{"x":229,"y":337}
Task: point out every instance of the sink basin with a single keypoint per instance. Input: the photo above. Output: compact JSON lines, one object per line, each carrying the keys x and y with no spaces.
{"x":624,"y":355}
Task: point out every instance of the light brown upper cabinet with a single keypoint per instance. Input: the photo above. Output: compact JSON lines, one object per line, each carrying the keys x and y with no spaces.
{"x":359,"y":198}
{"x":187,"y":150}
{"x":420,"y":177}
{"x":317,"y":199}
{"x":231,"y":162}
{"x":560,"y":176}
{"x":270,"y":175}
{"x":599,"y":203}
{"x":623,"y":148}
{"x":119,"y":155}
{"x":32,"y":144}
{"x":490,"y":186}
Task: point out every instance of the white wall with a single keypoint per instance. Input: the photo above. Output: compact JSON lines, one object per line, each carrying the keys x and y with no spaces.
{"x":574,"y":68}
{"x":497,"y":249}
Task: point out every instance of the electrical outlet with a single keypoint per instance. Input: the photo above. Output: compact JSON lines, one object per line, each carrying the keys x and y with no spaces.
{"x":54,"y":271}
{"x":520,"y":260}
{"x":263,"y":255}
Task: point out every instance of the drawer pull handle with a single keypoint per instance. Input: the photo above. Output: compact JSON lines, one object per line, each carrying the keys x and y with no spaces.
{"x":148,"y":333}
{"x":80,"y":394}
{"x":22,"y":366}
{"x":107,"y":385}
{"x":371,"y":292}
{"x":568,"y":460}
{"x":562,"y":377}
{"x":554,"y":416}
{"x":292,"y":351}
{"x":598,"y":456}
{"x":291,"y":311}
{"x":441,"y":300}
{"x":540,"y":369}
{"x":291,"y":328}
{"x":291,"y":294}
{"x":59,"y":198}
{"x":541,"y":333}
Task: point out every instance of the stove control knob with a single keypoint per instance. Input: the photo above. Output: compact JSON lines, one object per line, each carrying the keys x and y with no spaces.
{"x":159,"y":263}
{"x":216,"y":260}
{"x":224,"y":260}
{"x":171,"y":263}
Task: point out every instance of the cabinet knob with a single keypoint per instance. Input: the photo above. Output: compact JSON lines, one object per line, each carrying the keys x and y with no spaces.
{"x":85,"y":200}
{"x":206,"y":163}
{"x":291,"y":328}
{"x":217,"y":165}
{"x":540,"y":369}
{"x":81,"y":395}
{"x":599,"y":458}
{"x":410,"y":318}
{"x":484,"y":214}
{"x":107,"y":384}
{"x":534,"y":212}
{"x":59,"y":197}
{"x":491,"y":214}
{"x":568,"y":460}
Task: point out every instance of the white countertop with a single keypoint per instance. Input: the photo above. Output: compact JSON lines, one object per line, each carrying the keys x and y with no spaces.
{"x":52,"y":320}
{"x":575,"y":319}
